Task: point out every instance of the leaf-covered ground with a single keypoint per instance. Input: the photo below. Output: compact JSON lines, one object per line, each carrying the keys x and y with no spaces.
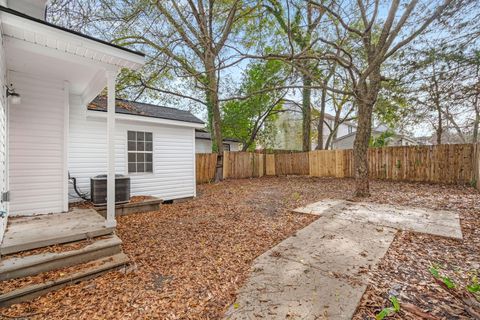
{"x":188,"y":259}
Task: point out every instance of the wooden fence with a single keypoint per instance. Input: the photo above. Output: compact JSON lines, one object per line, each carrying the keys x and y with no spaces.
{"x":454,"y":164}
{"x":205,"y":167}
{"x":237,"y":165}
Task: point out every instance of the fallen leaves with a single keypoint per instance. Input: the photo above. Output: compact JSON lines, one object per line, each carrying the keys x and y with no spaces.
{"x":189,"y":259}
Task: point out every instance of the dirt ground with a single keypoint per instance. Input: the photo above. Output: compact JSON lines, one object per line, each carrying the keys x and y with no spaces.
{"x":189,"y":259}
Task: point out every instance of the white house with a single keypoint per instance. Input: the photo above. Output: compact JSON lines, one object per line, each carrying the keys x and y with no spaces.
{"x":288,"y":135}
{"x":203,"y":142}
{"x":154,"y":146}
{"x":50,"y":128}
{"x":396,"y":139}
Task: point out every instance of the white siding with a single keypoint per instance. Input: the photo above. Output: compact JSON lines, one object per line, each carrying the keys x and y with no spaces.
{"x":3,"y":139}
{"x":36,"y":146}
{"x":173,"y":174}
{"x":203,"y":146}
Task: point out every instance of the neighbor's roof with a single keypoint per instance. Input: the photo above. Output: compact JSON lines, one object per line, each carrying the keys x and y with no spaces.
{"x":25,"y":16}
{"x":205,"y":135}
{"x":144,"y":109}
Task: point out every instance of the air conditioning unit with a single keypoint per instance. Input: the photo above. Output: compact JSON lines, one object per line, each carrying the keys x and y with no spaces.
{"x":98,"y":189}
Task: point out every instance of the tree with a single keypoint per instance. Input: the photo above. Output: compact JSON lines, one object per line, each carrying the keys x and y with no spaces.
{"x":187,"y":43}
{"x":397,"y":29}
{"x":298,"y":21}
{"x":246,"y":119}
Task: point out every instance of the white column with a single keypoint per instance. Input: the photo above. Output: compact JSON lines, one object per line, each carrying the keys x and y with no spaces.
{"x":111,"y":79}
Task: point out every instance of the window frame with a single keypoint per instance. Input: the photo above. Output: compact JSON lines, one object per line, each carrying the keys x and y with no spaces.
{"x":226,"y":144}
{"x":144,"y":152}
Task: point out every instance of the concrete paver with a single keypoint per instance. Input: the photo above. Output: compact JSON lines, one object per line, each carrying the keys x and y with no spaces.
{"x":319,"y":273}
{"x":315,"y":274}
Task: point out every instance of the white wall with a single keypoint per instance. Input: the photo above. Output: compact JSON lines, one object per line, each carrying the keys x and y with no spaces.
{"x":205,"y":146}
{"x":36,"y":146}
{"x":3,"y":140}
{"x":173,"y":174}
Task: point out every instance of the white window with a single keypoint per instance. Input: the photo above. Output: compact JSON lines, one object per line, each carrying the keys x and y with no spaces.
{"x":140,"y":151}
{"x":226,"y":147}
{"x":350,"y":129}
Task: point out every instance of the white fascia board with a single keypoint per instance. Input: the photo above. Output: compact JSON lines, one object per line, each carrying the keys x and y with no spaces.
{"x":92,"y":114}
{"x":51,"y":52}
{"x":135,"y":60}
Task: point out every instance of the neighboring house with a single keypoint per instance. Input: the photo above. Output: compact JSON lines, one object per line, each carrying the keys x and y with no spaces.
{"x":288,"y":135}
{"x":203,"y":142}
{"x":448,"y":137}
{"x":346,"y":141}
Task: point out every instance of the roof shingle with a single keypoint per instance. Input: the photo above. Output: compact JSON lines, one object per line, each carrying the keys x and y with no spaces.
{"x":144,"y":109}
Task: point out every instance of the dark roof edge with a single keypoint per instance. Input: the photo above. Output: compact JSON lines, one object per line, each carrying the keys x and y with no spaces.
{"x":26,"y":16}
{"x":147,"y":116}
{"x":145,"y":103}
{"x":225,"y":139}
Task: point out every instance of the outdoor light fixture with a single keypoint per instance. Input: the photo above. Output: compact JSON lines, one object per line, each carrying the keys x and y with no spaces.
{"x":15,"y":97}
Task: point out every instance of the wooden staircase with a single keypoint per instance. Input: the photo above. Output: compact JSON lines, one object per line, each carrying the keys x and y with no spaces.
{"x":61,"y":260}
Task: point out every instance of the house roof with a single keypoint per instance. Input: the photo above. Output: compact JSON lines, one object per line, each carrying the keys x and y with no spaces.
{"x":205,"y":135}
{"x":144,"y":110}
{"x":377,"y":130}
{"x":25,"y":16}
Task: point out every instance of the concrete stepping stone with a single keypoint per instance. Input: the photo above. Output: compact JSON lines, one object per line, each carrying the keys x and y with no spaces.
{"x":436,"y":222}
{"x":319,"y":272}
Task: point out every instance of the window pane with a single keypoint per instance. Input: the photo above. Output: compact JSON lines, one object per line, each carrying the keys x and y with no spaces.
{"x":140,"y":136}
{"x":148,"y":167}
{"x":148,"y":146}
{"x":226,"y":147}
{"x":132,"y":167}
{"x":131,"y":157}
{"x":140,"y":157}
{"x":148,"y":136}
{"x":140,"y":146}
{"x":140,"y":167}
{"x":148,"y":157}
{"x":131,"y":135}
{"x":132,"y":146}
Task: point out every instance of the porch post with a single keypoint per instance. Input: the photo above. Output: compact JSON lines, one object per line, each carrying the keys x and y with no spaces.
{"x":111,"y":79}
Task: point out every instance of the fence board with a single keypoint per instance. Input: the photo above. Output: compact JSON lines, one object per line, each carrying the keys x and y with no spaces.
{"x":444,"y":163}
{"x":205,"y":164}
{"x":270,"y":164}
{"x":459,"y":164}
{"x":292,"y":163}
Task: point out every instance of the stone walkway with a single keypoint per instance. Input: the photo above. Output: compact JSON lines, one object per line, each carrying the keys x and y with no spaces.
{"x":319,"y":273}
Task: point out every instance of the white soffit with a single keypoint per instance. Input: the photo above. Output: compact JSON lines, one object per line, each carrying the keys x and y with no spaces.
{"x":46,"y":36}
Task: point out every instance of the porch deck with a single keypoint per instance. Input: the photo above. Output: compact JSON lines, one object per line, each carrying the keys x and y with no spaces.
{"x":26,"y":233}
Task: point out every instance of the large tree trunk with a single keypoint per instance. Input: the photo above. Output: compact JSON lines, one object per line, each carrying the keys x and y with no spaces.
{"x":215,"y":119}
{"x":306,"y":112}
{"x":365,"y":96}
{"x":321,"y":119}
{"x":360,"y":149}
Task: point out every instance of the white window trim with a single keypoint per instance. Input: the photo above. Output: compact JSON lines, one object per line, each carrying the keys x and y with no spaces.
{"x":127,"y":152}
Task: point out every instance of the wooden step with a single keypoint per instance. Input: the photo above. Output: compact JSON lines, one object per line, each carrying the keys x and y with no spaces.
{"x":29,"y":292}
{"x":27,"y":233}
{"x":24,"y":266}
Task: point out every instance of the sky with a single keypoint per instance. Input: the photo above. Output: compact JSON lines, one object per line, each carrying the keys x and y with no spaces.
{"x":233,"y":75}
